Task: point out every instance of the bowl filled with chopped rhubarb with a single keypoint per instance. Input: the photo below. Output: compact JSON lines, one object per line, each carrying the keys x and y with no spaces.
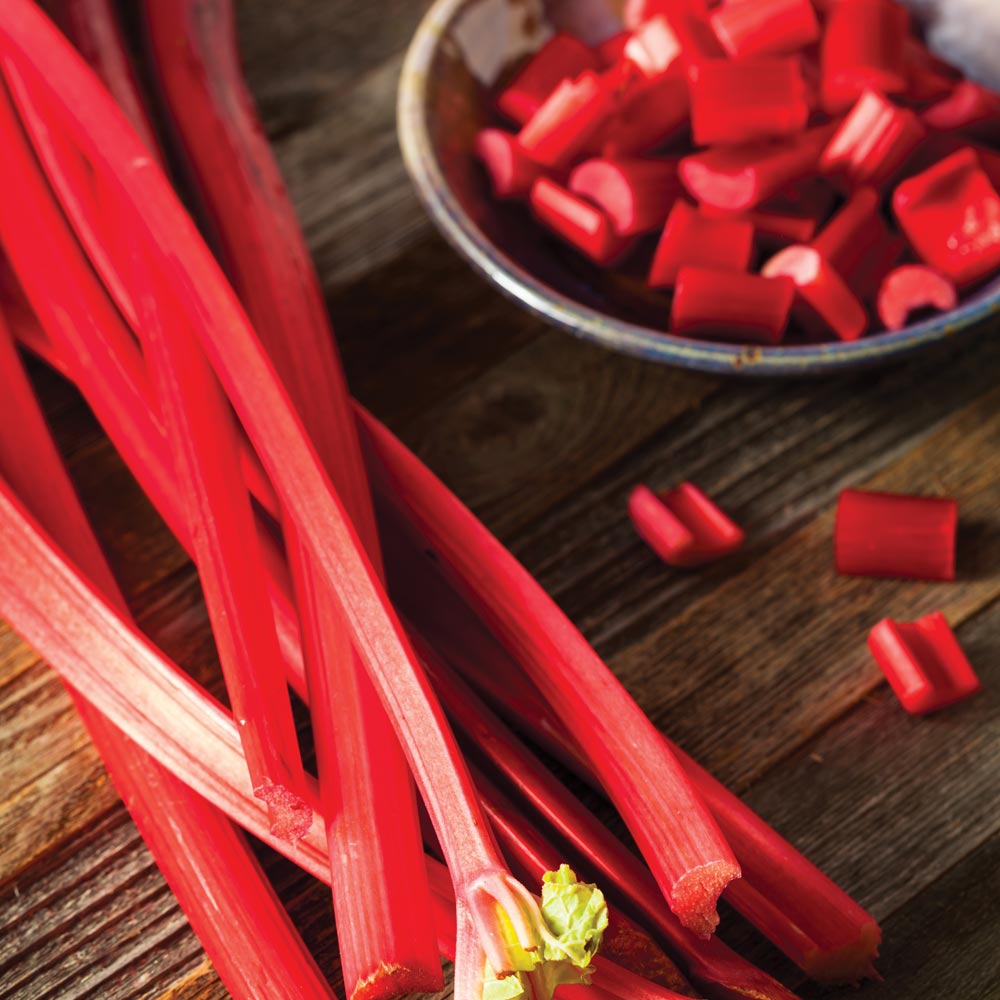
{"x":771,"y":187}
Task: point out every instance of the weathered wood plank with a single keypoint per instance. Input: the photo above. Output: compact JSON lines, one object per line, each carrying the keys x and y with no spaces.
{"x":946,"y":942}
{"x":777,"y":651}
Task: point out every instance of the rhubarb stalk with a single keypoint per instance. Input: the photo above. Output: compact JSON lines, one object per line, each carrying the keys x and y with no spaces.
{"x":386,"y":942}
{"x":500,"y":921}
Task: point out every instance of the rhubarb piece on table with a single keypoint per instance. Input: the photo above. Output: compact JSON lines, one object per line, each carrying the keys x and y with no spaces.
{"x":683,"y":526}
{"x":635,"y":195}
{"x":911,"y":288}
{"x":738,"y":101}
{"x":895,"y":535}
{"x":950,"y":213}
{"x":862,"y":49}
{"x":970,"y":106}
{"x":578,"y":222}
{"x":764,"y":27}
{"x":561,"y":57}
{"x":923,"y":662}
{"x":511,"y":170}
{"x":692,"y":238}
{"x":567,"y":121}
{"x":823,"y":301}
{"x":873,"y":141}
{"x":731,"y":306}
{"x":741,"y":177}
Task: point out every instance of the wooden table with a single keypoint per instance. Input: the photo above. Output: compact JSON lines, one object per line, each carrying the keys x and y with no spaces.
{"x":757,"y":665}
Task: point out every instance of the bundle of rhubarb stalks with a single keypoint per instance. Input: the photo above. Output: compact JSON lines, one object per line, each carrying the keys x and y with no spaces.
{"x":334,"y":565}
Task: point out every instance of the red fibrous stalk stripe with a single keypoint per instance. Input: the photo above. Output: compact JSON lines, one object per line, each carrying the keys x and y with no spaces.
{"x":33,"y":52}
{"x":202,"y":435}
{"x":690,"y":859}
{"x":812,"y":919}
{"x":213,"y":873}
{"x":93,"y":27}
{"x":386,"y":944}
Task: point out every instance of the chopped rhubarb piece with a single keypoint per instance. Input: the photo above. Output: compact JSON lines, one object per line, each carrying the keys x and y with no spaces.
{"x":874,"y":267}
{"x":636,"y":12}
{"x":578,"y":222}
{"x":651,"y":112}
{"x":862,"y":49}
{"x":951,"y":216}
{"x":731,"y":306}
{"x":566,"y":122}
{"x":695,"y":238}
{"x":653,"y":47}
{"x":683,"y":526}
{"x":823,"y":302}
{"x":923,"y":662}
{"x":741,"y":101}
{"x":635,"y":195}
{"x":511,"y":170}
{"x":895,"y":535}
{"x":910,"y":288}
{"x":852,"y":231}
{"x":741,"y":177}
{"x":873,"y":141}
{"x":928,"y":78}
{"x":774,"y":229}
{"x":612,"y":50}
{"x":561,"y":57}
{"x":764,"y":27}
{"x":969,"y":106}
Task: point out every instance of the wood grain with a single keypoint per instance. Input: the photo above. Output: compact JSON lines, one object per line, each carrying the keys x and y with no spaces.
{"x":757,"y":664}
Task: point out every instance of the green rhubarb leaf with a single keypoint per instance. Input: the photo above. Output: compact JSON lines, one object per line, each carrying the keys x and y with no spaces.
{"x":576,"y":915}
{"x":508,"y":988}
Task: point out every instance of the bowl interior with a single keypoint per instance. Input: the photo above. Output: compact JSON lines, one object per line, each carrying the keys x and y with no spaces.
{"x":461,"y":52}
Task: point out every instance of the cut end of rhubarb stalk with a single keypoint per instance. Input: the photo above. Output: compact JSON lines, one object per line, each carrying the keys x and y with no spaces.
{"x":393,"y":980}
{"x":290,"y":816}
{"x":695,"y":895}
{"x":849,"y":964}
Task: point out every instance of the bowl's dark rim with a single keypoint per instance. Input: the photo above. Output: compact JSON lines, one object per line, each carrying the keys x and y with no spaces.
{"x":590,"y":324}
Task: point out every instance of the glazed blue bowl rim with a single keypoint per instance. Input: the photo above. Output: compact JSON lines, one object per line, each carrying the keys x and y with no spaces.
{"x":591,"y":324}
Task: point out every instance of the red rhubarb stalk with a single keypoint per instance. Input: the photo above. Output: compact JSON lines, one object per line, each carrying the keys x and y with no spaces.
{"x":809,"y":917}
{"x":491,"y":901}
{"x":216,"y":878}
{"x":690,"y":859}
{"x":386,"y":944}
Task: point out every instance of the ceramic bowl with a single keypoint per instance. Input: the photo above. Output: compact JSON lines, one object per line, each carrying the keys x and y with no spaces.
{"x":455,"y":58}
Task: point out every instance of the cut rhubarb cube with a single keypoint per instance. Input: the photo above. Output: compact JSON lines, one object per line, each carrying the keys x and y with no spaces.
{"x":911,"y":288}
{"x":862,"y":49}
{"x":561,"y":57}
{"x":511,"y":170}
{"x":823,"y":302}
{"x":923,"y":663}
{"x":731,"y":306}
{"x":764,"y":27}
{"x":745,"y":100}
{"x":873,"y":141}
{"x":951,"y":216}
{"x":683,"y":526}
{"x":692,"y":238}
{"x":636,"y":195}
{"x":895,"y":535}
{"x":578,"y":222}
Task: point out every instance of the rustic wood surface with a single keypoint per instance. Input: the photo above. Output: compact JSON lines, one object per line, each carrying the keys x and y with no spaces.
{"x":757,"y":665}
